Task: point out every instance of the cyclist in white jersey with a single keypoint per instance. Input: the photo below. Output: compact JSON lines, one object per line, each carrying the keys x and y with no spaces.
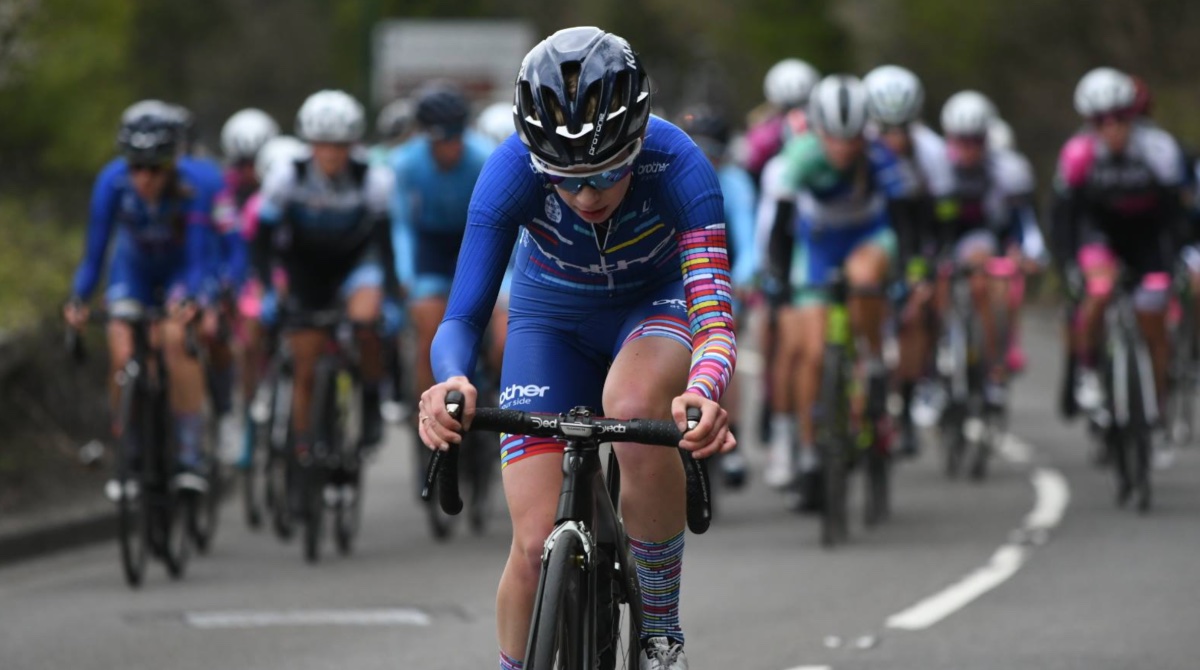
{"x":895,"y":101}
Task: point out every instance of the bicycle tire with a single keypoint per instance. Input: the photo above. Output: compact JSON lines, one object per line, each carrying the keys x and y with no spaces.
{"x":313,"y":511}
{"x":441,"y":525}
{"x":480,"y":452}
{"x":557,"y":629}
{"x":132,"y":529}
{"x":1139,"y":443}
{"x":204,"y":514}
{"x":347,"y":521}
{"x":175,"y":515}
{"x":878,"y":482}
{"x":254,"y":484}
{"x":833,"y":443}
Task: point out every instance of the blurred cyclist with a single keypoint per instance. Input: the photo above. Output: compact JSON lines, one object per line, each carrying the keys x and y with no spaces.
{"x":162,"y":224}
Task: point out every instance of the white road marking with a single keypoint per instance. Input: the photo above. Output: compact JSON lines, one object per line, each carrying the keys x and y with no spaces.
{"x":402,"y":616}
{"x":812,"y":667}
{"x":1053,"y":494}
{"x":1004,"y":564}
{"x":1051,"y":497}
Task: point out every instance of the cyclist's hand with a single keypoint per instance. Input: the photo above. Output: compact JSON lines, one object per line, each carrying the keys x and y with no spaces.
{"x":435,"y":425}
{"x":711,"y":436}
{"x":75,"y":313}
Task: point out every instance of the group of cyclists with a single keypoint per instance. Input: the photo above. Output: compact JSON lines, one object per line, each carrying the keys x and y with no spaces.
{"x":608,"y":255}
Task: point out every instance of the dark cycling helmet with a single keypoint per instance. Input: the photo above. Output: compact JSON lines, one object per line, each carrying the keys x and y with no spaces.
{"x":442,"y":109}
{"x":148,"y":134}
{"x":704,"y":121}
{"x":582,"y":98}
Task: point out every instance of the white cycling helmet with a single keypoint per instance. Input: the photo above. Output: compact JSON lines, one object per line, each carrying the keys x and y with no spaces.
{"x":496,"y":121}
{"x":330,"y":116}
{"x":276,"y":149}
{"x":838,"y":106}
{"x":894,"y":95}
{"x":245,"y":133}
{"x":967,"y":114}
{"x":1104,"y":90}
{"x":396,"y":119}
{"x":1000,"y":135}
{"x":789,"y":83}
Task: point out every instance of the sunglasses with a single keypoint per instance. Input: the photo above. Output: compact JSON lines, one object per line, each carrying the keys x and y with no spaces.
{"x":1123,"y":116}
{"x":152,"y":168}
{"x":970,"y":140}
{"x":601,"y":181}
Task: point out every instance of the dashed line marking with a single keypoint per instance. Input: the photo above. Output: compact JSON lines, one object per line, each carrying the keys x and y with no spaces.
{"x":320,"y":617}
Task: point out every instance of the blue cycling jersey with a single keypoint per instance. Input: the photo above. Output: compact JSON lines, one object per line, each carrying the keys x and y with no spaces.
{"x":429,"y":205}
{"x":661,"y":228}
{"x":828,"y":198}
{"x":173,"y":234}
{"x":740,"y":202}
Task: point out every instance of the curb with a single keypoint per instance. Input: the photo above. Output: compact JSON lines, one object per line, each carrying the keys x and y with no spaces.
{"x":28,"y":543}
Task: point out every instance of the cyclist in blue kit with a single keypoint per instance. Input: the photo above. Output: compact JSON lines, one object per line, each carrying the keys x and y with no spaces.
{"x":620,"y":300}
{"x":162,"y":223}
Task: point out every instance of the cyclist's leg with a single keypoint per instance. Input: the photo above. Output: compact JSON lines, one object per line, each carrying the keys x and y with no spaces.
{"x":128,"y":292}
{"x":1150,"y":300}
{"x":187,"y":392}
{"x":867,"y":268}
{"x":648,"y":371}
{"x":545,"y":370}
{"x":363,"y":292}
{"x":974,"y":250}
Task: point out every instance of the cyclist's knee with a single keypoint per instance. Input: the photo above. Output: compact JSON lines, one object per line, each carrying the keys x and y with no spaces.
{"x":365,"y":305}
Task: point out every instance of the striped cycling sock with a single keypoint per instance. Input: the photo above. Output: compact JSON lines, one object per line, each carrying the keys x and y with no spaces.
{"x":659,"y":568}
{"x":507,"y":663}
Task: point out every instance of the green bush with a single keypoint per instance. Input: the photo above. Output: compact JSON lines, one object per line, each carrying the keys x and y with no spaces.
{"x":37,"y":262}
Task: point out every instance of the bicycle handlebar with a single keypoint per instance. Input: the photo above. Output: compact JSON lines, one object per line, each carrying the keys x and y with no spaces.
{"x":443,"y":467}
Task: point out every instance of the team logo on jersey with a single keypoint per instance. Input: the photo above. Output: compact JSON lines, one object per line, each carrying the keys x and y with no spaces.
{"x":521,"y":394}
{"x":553,"y":209}
{"x":677,"y":303}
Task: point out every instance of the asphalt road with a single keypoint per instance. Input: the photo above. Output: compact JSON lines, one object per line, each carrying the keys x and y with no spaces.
{"x":1034,"y":568}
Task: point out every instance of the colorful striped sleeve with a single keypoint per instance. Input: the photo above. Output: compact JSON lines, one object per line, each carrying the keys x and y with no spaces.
{"x":706,"y":285}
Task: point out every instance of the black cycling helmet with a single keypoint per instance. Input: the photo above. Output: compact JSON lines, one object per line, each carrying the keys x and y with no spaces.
{"x":148,"y":134}
{"x":442,"y":109}
{"x":704,"y":121}
{"x":582,"y":98}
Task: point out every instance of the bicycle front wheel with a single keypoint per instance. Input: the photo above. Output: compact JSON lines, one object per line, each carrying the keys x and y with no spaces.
{"x":132,"y":530}
{"x":831,"y":419}
{"x":558,"y":630}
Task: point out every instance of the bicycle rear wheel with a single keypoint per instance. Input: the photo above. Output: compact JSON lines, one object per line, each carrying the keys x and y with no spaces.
{"x":558,"y":629}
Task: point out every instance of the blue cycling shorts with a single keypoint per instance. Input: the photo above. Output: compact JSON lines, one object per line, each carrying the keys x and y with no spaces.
{"x":146,"y":281}
{"x":819,"y":253}
{"x":560,"y":346}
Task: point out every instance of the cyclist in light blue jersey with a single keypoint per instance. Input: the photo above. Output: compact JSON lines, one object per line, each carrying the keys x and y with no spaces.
{"x":843,"y":186}
{"x":435,"y":173}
